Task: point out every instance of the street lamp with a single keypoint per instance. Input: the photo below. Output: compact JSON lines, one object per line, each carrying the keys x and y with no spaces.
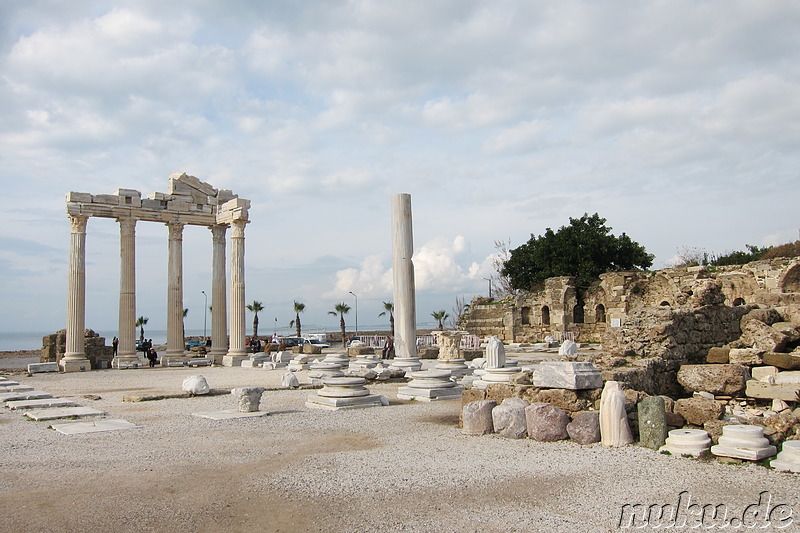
{"x":356,"y":297}
{"x":205,"y":314}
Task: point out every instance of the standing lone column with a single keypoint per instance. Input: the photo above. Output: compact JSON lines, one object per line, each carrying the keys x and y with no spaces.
{"x":219,"y":332}
{"x":175,"y":342}
{"x":126,"y":352}
{"x":237,"y":352}
{"x":405,"y":312}
{"x":74,"y":359}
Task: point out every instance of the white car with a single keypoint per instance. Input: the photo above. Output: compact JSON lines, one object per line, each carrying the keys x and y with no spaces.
{"x":317,"y":342}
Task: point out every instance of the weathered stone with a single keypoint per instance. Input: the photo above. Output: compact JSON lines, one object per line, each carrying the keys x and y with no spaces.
{"x":758,"y":335}
{"x":727,"y":380}
{"x":248,"y":399}
{"x":708,"y":293}
{"x":745,"y":356}
{"x":675,"y":420}
{"x":477,"y":417}
{"x":781,"y":391}
{"x":783,"y":422}
{"x":196,"y":385}
{"x":698,"y":411}
{"x":546,"y":423}
{"x":784,"y":361}
{"x":499,"y":392}
{"x":652,"y":422}
{"x":312,"y":349}
{"x":290,"y":381}
{"x":718,"y":355}
{"x":564,"y":399}
{"x":585,"y":427}
{"x":614,"y":427}
{"x":568,"y":348}
{"x":509,"y":419}
{"x":767,"y":316}
{"x":472,"y":395}
{"x":567,"y":375}
{"x":786,"y":328}
{"x":761,"y":372}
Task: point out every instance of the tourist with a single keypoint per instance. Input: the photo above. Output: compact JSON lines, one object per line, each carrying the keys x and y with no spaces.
{"x":152,"y":356}
{"x":115,"y":345}
{"x":388,"y":349}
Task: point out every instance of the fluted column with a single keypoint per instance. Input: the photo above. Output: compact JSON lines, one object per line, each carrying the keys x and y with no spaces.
{"x":219,"y":334}
{"x":236,"y":351}
{"x":74,"y":359}
{"x":126,"y":352}
{"x":405,"y":313}
{"x":175,"y":342}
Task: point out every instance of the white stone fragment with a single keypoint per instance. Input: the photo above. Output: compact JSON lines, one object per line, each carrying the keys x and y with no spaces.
{"x":196,"y":385}
{"x":74,"y":428}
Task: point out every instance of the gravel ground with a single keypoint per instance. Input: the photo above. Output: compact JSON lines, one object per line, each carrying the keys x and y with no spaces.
{"x":405,"y":467}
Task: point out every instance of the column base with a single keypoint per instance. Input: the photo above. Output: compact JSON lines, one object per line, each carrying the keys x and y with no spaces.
{"x":122,"y":362}
{"x":233,"y":360}
{"x":75,"y":365}
{"x":409,"y":364}
{"x":216,"y":356}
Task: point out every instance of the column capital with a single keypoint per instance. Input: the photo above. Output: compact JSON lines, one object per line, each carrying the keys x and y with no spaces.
{"x":127,"y":226}
{"x":237,"y":228}
{"x":78,"y":223}
{"x":175,"y":231}
{"x":218,"y":233}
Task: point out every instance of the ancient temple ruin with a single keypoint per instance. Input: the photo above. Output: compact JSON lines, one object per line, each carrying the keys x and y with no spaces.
{"x":187,"y":201}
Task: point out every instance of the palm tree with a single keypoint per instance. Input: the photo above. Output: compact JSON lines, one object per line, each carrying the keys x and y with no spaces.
{"x":183,"y":323}
{"x":340,"y":310}
{"x":298,"y":308}
{"x":389,"y":306}
{"x":255,"y":307}
{"x":140,"y":322}
{"x":440,"y":316}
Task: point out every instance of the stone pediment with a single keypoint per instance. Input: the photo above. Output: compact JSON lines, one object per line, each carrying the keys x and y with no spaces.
{"x":188,"y":200}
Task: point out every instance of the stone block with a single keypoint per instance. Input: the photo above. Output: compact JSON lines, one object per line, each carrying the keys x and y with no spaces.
{"x":75,"y":428}
{"x":472,"y":395}
{"x":312,"y":349}
{"x":784,"y":361}
{"x":781,"y":391}
{"x":761,"y":372}
{"x":54,"y":413}
{"x":717,"y":355}
{"x":82,"y":197}
{"x":745,"y":356}
{"x":585,"y":427}
{"x":108,"y":199}
{"x":652,"y":422}
{"x":726,"y":380}
{"x":499,"y":392}
{"x":477,"y":418}
{"x":35,"y":368}
{"x":567,"y":375}
{"x":546,"y":423}
{"x":152,"y":204}
{"x":509,"y":419}
{"x":564,"y":399}
{"x":698,"y":411}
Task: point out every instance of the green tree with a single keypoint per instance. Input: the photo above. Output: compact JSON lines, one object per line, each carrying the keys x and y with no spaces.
{"x":140,"y":322}
{"x":440,"y":316}
{"x":340,"y":310}
{"x":584,"y":249}
{"x":255,"y":307}
{"x":298,"y":308}
{"x":389,"y":308}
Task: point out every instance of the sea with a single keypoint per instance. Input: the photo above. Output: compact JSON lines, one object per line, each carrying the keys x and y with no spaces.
{"x":32,"y":340}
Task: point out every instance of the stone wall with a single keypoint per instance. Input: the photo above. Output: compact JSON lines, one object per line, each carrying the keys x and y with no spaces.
{"x":54,"y":346}
{"x":559,"y":307}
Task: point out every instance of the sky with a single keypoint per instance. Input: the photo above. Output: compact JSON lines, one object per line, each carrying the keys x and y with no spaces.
{"x":677,"y":121}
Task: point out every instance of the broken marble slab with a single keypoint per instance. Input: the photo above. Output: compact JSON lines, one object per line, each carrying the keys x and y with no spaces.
{"x":567,"y":375}
{"x":41,"y":403}
{"x":15,"y":388}
{"x":35,"y":368}
{"x":27,"y":395}
{"x":229,"y":414}
{"x":95,"y":426}
{"x":777,"y":391}
{"x":4,"y":382}
{"x":55,"y":413}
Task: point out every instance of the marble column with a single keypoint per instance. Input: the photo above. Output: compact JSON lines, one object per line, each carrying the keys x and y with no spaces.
{"x":74,"y":359}
{"x":405,"y":342}
{"x":175,"y":341}
{"x":219,"y":305}
{"x":126,"y":351}
{"x":236,"y":351}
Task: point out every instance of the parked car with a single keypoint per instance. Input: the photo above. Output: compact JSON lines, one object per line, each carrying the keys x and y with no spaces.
{"x":317,"y":342}
{"x":289,"y":341}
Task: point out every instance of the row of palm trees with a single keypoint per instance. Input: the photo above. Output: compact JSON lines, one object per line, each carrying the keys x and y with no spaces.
{"x":339,"y":310}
